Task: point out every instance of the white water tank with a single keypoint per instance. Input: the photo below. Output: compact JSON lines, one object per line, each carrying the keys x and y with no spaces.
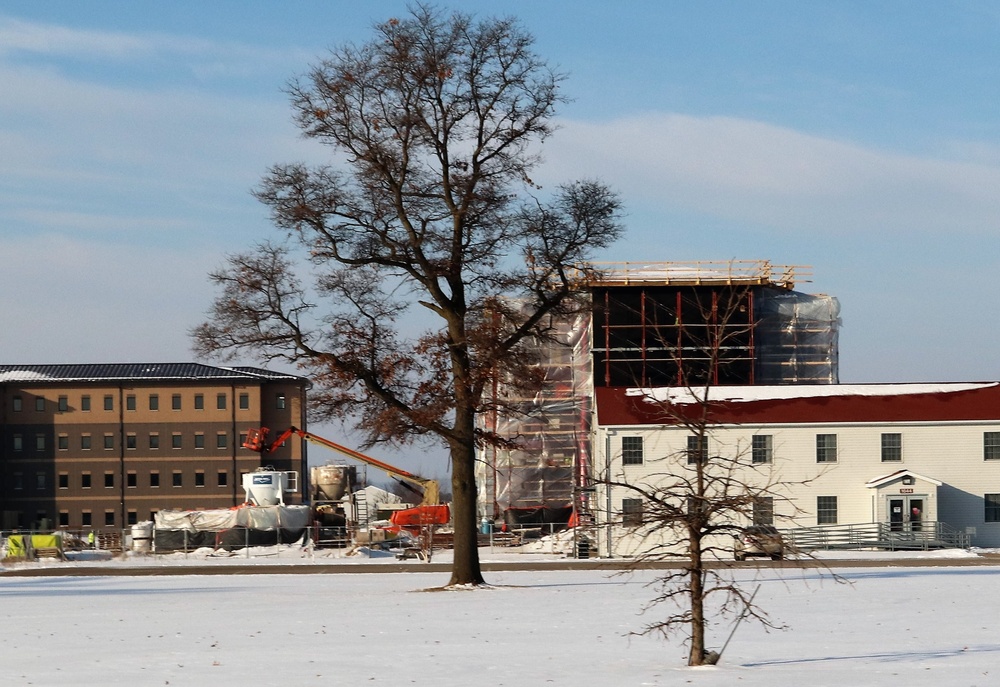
{"x":142,"y":537}
{"x":330,"y":482}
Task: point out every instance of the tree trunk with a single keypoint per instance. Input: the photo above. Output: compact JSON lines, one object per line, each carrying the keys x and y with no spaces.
{"x":696,"y":577}
{"x":465,"y":569}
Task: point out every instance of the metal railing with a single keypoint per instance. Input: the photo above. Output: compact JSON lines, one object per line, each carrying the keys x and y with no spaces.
{"x":878,"y":535}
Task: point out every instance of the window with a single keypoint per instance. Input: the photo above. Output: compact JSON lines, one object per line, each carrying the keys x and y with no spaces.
{"x":220,"y":401}
{"x":826,"y":510}
{"x":826,"y":448}
{"x":39,"y":442}
{"x":109,"y":402}
{"x":279,"y":401}
{"x":631,"y":512}
{"x":64,"y":480}
{"x":17,"y":403}
{"x":199,"y":478}
{"x":199,"y":440}
{"x":176,"y":441}
{"x":631,"y":450}
{"x":154,"y":441}
{"x":697,"y":449}
{"x":199,"y":402}
{"x":85,"y":442}
{"x":64,"y":518}
{"x":244,"y":401}
{"x":109,"y":480}
{"x":175,"y":402}
{"x":154,"y":401}
{"x":109,"y":441}
{"x":86,"y":518}
{"x":109,"y":517}
{"x":221,"y":440}
{"x":85,"y":480}
{"x":763,"y":510}
{"x":18,"y":479}
{"x":39,"y":481}
{"x":154,"y":478}
{"x":85,"y":403}
{"x":178,"y":479}
{"x":130,"y":402}
{"x":991,"y":445}
{"x":223,"y":478}
{"x":63,"y":404}
{"x":63,"y":442}
{"x":131,"y":479}
{"x":133,"y":517}
{"x":992,"y":502}
{"x":761,"y":451}
{"x":243,"y":439}
{"x":130,"y":441}
{"x":892,"y":448}
{"x":40,"y":404}
{"x":18,"y":442}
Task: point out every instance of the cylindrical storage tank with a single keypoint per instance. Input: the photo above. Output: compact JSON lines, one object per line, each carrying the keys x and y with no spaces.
{"x":330,"y":482}
{"x":142,"y":537}
{"x":263,"y":488}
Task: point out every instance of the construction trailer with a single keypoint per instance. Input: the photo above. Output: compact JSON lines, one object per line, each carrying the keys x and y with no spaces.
{"x":647,"y":324}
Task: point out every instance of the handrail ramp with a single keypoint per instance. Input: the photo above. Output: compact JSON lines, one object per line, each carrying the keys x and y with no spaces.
{"x":878,"y":535}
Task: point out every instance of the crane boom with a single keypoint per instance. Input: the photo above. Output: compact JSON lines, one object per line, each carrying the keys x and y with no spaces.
{"x":257,"y":441}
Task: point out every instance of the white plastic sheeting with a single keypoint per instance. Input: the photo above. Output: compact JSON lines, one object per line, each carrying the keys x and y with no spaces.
{"x":252,"y":517}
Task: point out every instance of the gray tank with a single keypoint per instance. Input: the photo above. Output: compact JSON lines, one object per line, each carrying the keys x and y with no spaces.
{"x":330,"y":482}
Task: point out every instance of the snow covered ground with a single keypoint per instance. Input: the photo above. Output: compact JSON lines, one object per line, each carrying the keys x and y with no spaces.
{"x":889,"y":625}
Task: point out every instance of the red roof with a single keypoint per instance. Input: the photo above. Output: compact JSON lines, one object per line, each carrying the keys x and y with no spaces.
{"x":807,"y":404}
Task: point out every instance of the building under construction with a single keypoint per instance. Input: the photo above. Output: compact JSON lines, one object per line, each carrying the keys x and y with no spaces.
{"x":650,"y":325}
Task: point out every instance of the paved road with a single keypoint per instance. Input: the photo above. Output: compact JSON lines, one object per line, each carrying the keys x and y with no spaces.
{"x":444,"y":568}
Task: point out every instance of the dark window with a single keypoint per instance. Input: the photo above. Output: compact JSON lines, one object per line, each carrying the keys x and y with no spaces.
{"x":632,"y":451}
{"x":762,"y":450}
{"x":64,"y":518}
{"x":154,"y":401}
{"x":826,"y":448}
{"x":176,"y":441}
{"x":133,"y":517}
{"x":86,"y":518}
{"x":244,"y":401}
{"x":826,"y":510}
{"x":130,"y":441}
{"x":175,"y":402}
{"x":763,"y":510}
{"x":109,"y":517}
{"x":892,"y":448}
{"x":199,"y":402}
{"x":631,"y":512}
{"x":40,"y":404}
{"x":63,"y":404}
{"x":18,"y":481}
{"x":85,"y":403}
{"x":130,"y":402}
{"x":199,"y":441}
{"x":223,"y":478}
{"x":17,"y":442}
{"x":220,"y":401}
{"x":63,"y":442}
{"x":131,"y":480}
{"x":199,"y":479}
{"x":109,"y":441}
{"x":992,"y":507}
{"x":85,"y":442}
{"x":221,"y":440}
{"x":64,"y":480}
{"x":154,"y":479}
{"x":109,"y":402}
{"x":16,"y":404}
{"x":279,"y":401}
{"x":109,"y":480}
{"x":39,"y":442}
{"x":178,"y":479}
{"x":154,"y":441}
{"x":39,"y":480}
{"x":991,"y":445}
{"x":697,"y":449}
{"x":85,"y":480}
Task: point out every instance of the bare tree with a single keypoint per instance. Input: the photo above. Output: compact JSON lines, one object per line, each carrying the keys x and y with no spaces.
{"x":697,"y":498}
{"x":426,"y":224}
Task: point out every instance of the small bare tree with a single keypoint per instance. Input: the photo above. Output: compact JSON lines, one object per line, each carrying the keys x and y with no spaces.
{"x":691,"y":507}
{"x":422,"y":234}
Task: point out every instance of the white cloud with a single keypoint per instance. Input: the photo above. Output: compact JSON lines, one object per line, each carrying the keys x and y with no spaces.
{"x":756,"y":172}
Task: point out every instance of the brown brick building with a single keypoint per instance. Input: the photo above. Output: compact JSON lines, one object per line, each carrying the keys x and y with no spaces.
{"x":109,"y":445}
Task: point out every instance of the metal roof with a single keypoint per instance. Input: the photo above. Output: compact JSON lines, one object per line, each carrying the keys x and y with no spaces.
{"x":103,"y":372}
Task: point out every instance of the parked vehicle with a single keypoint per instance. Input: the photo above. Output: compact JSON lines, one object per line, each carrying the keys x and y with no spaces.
{"x":759,"y":540}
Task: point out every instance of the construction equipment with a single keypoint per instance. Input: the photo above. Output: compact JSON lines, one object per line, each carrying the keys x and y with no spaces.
{"x":430,"y":510}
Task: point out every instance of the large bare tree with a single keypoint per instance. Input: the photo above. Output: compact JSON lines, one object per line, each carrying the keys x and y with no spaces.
{"x":434,"y":255}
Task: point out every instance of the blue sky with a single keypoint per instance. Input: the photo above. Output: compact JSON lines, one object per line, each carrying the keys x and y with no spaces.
{"x":859,"y":138}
